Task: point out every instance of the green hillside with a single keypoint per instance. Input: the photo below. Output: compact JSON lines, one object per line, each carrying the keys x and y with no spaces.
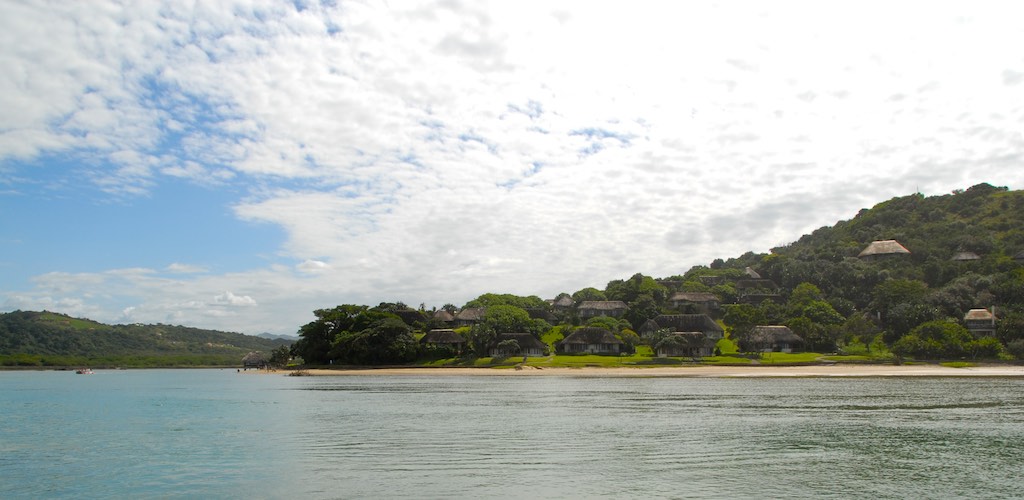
{"x":51,"y":339}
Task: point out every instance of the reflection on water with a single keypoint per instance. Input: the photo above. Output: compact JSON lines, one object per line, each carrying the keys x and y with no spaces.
{"x":214,"y":433}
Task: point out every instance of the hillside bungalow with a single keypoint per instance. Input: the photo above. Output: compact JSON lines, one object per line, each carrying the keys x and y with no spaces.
{"x":444,"y":316}
{"x":685,"y":344}
{"x":751,"y":273}
{"x":591,"y":340}
{"x":528,"y":345}
{"x":756,"y":284}
{"x":444,"y":338}
{"x":965,"y":257}
{"x":706,"y":302}
{"x":563,"y":303}
{"x":757,"y":298}
{"x":683,"y":323}
{"x":594,"y":308}
{"x":470,"y":316}
{"x":774,"y":338}
{"x":411,"y":316}
{"x":1019,"y":257}
{"x":883,"y":248}
{"x":712,"y":280}
{"x":981,"y":322}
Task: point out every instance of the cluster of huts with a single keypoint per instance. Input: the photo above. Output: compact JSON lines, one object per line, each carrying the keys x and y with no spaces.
{"x":681,"y":335}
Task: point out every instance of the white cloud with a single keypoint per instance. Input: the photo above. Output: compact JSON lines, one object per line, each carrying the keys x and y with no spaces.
{"x":430,"y":152}
{"x":230,"y":299}
{"x":179,"y":268}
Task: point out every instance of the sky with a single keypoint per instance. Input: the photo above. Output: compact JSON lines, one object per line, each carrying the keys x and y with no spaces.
{"x":237,"y":164}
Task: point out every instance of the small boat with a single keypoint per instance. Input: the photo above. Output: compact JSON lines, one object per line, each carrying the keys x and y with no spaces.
{"x":85,"y":371}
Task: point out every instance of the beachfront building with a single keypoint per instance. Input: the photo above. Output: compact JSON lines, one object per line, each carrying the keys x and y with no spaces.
{"x":683,"y":323}
{"x":685,"y":344}
{"x":590,"y":340}
{"x":443,"y":337}
{"x":981,"y":322}
{"x":522,"y":344}
{"x":771,"y":338}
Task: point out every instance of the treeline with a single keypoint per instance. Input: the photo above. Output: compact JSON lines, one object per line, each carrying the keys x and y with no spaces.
{"x":29,"y":338}
{"x":908,"y":305}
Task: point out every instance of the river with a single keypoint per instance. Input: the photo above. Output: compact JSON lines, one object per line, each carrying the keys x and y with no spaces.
{"x":220,"y":434}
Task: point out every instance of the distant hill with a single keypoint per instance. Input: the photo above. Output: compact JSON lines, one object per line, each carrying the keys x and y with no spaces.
{"x":49,"y":338}
{"x":274,"y":336}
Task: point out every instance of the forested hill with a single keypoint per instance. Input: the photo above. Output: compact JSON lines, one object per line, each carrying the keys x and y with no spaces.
{"x":944,"y":234}
{"x":957,"y":254}
{"x":50,"y":338}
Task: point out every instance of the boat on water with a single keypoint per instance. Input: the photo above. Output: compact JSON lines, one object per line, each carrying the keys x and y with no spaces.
{"x":85,"y":371}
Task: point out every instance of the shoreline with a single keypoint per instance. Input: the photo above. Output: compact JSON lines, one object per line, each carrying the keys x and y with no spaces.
{"x":709,"y":371}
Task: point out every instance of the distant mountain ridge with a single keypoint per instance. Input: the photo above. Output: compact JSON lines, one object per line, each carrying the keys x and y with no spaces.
{"x":53,"y":334}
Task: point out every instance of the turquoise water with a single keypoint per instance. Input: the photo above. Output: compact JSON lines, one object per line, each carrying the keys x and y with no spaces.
{"x":218,"y":434}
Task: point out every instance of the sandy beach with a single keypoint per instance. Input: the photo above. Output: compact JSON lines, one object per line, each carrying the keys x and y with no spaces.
{"x":837,"y":370}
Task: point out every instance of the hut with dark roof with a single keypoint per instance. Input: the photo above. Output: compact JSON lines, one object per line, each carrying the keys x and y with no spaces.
{"x":685,"y":344}
{"x":705,"y":301}
{"x":563,"y":302}
{"x":1019,"y":257}
{"x":470,"y":316}
{"x":965,"y":257}
{"x":254,"y":360}
{"x":591,"y":340}
{"x":444,"y":316}
{"x":683,"y":323}
{"x":594,"y":308}
{"x":525,"y":345}
{"x":883,"y":248}
{"x":771,"y":338}
{"x":443,"y":337}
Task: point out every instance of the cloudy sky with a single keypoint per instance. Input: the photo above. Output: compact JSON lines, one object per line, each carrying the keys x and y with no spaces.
{"x":235,"y":165}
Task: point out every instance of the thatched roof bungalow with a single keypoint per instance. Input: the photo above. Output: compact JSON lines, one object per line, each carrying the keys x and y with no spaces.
{"x":594,"y":308}
{"x":685,"y":344}
{"x":444,"y":316}
{"x":883,"y":248}
{"x":981,"y":322}
{"x":965,"y":257}
{"x":254,"y":359}
{"x":771,"y":338}
{"x":525,"y":345}
{"x":444,"y":338}
{"x":704,"y":300}
{"x":591,"y":340}
{"x":470,"y":316}
{"x":683,"y":323}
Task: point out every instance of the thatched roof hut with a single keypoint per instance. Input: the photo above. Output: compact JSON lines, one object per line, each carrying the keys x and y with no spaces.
{"x":443,"y":316}
{"x":470,"y":315}
{"x":1019,"y":257}
{"x":771,"y":338}
{"x":592,"y":308}
{"x":528,"y":345}
{"x":563,"y":302}
{"x":442,"y":337}
{"x":594,"y":340}
{"x":683,"y":323}
{"x":965,"y":257}
{"x":254,"y":359}
{"x":883,"y":248}
{"x":685,"y":344}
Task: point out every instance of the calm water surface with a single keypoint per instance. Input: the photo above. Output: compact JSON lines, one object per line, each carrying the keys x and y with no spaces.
{"x":218,"y":434}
